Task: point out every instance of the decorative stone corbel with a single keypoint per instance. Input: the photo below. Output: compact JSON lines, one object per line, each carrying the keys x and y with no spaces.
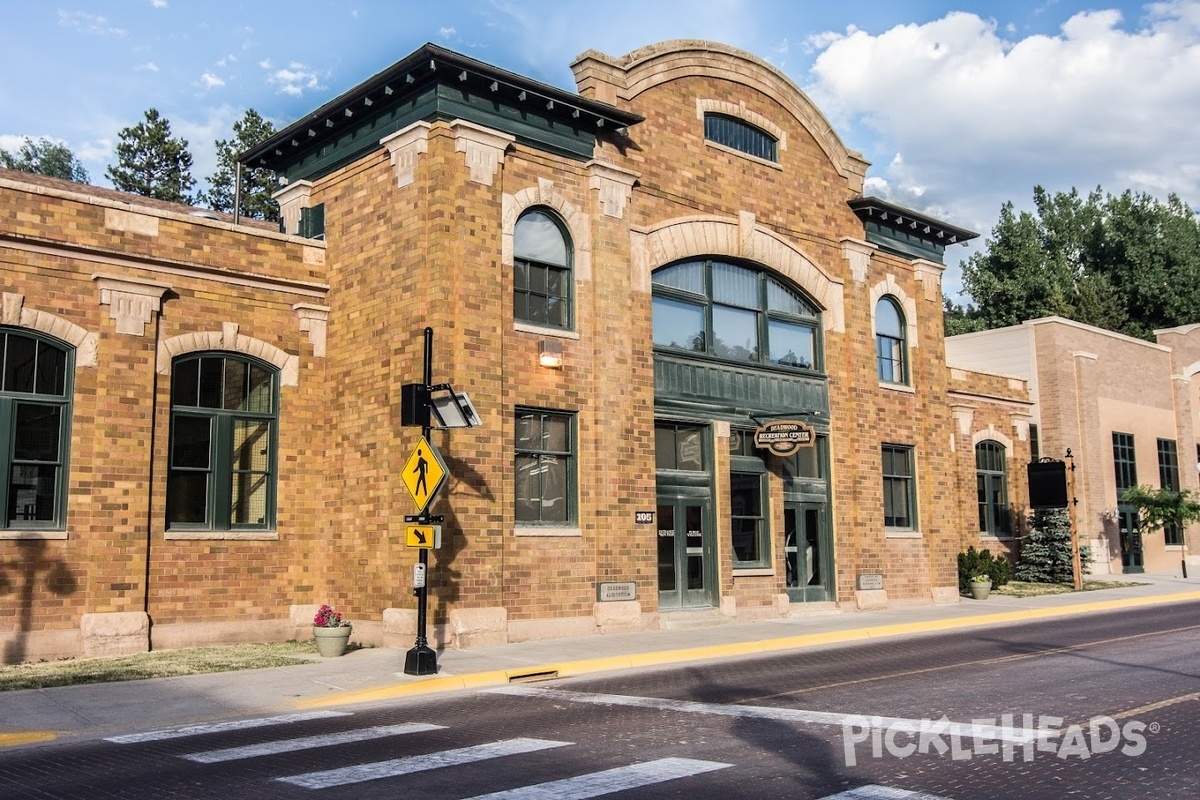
{"x":131,"y":303}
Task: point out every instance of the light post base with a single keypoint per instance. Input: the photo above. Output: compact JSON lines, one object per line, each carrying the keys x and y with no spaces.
{"x":420,"y":660}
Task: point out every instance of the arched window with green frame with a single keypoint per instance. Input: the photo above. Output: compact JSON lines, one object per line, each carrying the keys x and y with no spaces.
{"x":736,"y":313}
{"x":224,"y":419}
{"x":35,"y":429}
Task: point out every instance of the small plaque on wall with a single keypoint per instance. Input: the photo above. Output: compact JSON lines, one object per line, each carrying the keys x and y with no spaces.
{"x":612,"y":592}
{"x":643,"y":517}
{"x":870,"y":580}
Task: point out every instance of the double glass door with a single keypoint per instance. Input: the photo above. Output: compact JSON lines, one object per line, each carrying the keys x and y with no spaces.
{"x":806,"y":547}
{"x":685,"y":553}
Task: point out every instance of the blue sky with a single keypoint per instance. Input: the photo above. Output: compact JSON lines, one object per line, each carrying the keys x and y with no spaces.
{"x":958,"y":106}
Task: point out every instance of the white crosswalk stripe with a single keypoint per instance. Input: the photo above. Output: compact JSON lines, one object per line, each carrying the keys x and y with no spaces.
{"x":309,"y":742}
{"x":409,"y":764}
{"x":609,"y":781}
{"x":221,"y":727}
{"x":874,"y":792}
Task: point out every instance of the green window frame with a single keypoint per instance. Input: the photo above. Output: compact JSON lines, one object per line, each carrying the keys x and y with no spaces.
{"x":740,"y":135}
{"x":1168,"y":478}
{"x":544,"y":491}
{"x":222,"y":464}
{"x":899,"y":488}
{"x":35,"y":429}
{"x":749,"y":505}
{"x":542,"y":271}
{"x":991,"y":482}
{"x":891,"y":349}
{"x":734,"y":313}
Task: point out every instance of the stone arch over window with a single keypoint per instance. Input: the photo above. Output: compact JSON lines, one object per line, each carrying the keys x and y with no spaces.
{"x":625,"y":77}
{"x":990,"y":433}
{"x":229,"y":339}
{"x":689,"y":237}
{"x":576,"y":221}
{"x":15,"y":314}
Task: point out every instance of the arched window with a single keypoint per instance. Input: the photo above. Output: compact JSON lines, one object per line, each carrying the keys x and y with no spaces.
{"x":889,"y":342}
{"x":734,"y":313}
{"x":224,"y":414}
{"x":740,"y":135}
{"x":35,"y":425}
{"x":991,"y":480}
{"x":542,"y":267}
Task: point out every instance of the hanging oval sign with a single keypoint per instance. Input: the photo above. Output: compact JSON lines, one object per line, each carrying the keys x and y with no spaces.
{"x":784,"y":437}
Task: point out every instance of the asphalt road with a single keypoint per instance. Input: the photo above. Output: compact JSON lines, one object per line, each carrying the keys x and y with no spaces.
{"x":1096,"y":706}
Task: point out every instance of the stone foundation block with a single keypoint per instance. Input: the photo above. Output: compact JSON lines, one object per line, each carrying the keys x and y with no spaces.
{"x":870,"y":599}
{"x":944,"y":595}
{"x":621,"y":616}
{"x":477,"y":627}
{"x":116,"y":633}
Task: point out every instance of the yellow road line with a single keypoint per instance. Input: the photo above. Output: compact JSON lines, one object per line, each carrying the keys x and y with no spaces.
{"x":565,"y":669}
{"x":26,"y":737}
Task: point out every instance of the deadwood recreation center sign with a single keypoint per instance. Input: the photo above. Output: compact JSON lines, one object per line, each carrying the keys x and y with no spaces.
{"x":784,"y":437}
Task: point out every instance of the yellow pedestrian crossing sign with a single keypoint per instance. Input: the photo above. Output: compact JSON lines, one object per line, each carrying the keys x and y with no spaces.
{"x":424,"y":473}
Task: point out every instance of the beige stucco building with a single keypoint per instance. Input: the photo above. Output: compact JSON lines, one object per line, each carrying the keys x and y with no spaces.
{"x":1125,"y":408}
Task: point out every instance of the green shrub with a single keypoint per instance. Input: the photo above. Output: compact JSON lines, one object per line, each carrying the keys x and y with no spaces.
{"x":981,"y":562}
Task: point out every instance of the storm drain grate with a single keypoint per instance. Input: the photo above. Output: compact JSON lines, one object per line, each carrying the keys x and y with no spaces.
{"x":532,"y":677}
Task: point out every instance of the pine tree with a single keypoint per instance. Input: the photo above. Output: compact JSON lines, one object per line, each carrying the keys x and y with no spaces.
{"x":1046,"y":551}
{"x":151,"y":162}
{"x":44,"y":157}
{"x":258,"y":184}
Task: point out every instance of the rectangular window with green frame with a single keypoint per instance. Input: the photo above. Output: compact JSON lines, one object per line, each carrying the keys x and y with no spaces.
{"x":222,"y":471}
{"x":545,"y":467}
{"x":899,"y":488}
{"x":748,"y":507}
{"x":1168,"y":478}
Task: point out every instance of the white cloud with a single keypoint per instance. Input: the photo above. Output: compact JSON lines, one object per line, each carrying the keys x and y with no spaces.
{"x":294,"y":79}
{"x":158,"y":3}
{"x":446,"y":32}
{"x":981,"y":118}
{"x":149,"y":66}
{"x":210,"y":81}
{"x":89,"y":23}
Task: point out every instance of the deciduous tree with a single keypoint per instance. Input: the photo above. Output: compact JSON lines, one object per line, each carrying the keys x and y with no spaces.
{"x":45,"y":157}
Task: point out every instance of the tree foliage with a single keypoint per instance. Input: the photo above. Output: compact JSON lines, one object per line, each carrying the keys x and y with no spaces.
{"x":44,"y":157}
{"x":1159,"y":508}
{"x":257,"y":184}
{"x":981,"y":562}
{"x":151,"y":162}
{"x":1128,"y":263}
{"x":1046,"y":550}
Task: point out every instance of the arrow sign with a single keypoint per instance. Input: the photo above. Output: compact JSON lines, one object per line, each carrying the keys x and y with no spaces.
{"x":422,"y":536}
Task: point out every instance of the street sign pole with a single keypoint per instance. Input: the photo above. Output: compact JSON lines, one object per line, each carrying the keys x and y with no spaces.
{"x":422,"y":659}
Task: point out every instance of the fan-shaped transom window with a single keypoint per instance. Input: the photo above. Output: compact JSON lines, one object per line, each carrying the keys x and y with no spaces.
{"x":735,"y":313}
{"x":741,"y":136}
{"x":542,"y":270}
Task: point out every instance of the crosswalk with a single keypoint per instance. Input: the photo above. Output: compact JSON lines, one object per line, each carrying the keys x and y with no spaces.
{"x":612,"y":781}
{"x":575,"y":787}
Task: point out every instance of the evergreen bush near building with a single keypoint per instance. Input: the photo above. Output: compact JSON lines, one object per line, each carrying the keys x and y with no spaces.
{"x":1046,"y":551}
{"x":981,"y":562}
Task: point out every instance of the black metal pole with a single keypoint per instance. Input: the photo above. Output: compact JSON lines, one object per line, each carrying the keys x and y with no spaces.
{"x":422,"y":659}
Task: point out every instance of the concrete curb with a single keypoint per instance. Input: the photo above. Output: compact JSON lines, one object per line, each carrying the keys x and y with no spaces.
{"x":477,"y":680}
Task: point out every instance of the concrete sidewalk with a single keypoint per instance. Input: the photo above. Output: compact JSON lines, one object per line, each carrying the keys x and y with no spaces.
{"x":374,"y":675}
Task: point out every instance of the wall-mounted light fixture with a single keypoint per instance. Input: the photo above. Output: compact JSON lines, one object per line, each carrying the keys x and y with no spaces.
{"x":550,"y":354}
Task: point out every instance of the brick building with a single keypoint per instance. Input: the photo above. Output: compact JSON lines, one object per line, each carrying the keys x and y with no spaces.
{"x":203,"y":416}
{"x":1126,"y":409}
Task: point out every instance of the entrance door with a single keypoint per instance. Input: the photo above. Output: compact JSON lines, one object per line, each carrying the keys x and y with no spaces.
{"x":806,"y":547}
{"x":1131,"y":540}
{"x":685,"y":554}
